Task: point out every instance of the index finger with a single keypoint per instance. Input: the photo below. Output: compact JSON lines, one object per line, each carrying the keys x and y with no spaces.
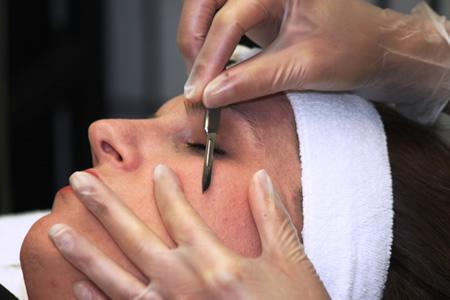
{"x":182,"y":222}
{"x":195,"y":20}
{"x":142,"y":245}
{"x":231,"y":22}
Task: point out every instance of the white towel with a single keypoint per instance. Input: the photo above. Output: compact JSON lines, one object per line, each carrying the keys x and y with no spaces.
{"x":13,"y":229}
{"x":347,"y":192}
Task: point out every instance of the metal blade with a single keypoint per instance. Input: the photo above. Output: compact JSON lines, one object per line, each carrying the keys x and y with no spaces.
{"x":208,"y":162}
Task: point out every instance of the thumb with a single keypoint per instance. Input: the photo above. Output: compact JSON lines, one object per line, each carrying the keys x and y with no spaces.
{"x":280,"y":242}
{"x":278,"y":234}
{"x":195,"y":20}
{"x":267,"y":73}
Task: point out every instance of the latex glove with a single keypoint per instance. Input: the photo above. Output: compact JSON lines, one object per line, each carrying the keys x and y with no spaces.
{"x":317,"y":45}
{"x":200,"y":267}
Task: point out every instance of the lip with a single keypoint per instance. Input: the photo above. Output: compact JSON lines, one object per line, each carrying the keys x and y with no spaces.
{"x":64,"y":193}
{"x":66,"y":189}
{"x":93,"y":172}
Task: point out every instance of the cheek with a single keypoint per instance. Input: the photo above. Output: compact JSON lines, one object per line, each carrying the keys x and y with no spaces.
{"x":224,"y":206}
{"x":136,"y":191}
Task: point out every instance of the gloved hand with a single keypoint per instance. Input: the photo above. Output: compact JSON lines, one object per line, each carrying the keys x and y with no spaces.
{"x":317,"y":45}
{"x":200,"y":267}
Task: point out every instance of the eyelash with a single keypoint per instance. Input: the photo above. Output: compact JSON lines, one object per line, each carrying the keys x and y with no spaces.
{"x":199,"y":146}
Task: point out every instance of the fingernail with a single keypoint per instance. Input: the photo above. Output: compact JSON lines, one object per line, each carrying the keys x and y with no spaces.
{"x":189,"y":65}
{"x":162,"y":174}
{"x":149,"y":294}
{"x":189,"y":89}
{"x":225,"y":278}
{"x":211,"y":95}
{"x":53,"y":231}
{"x":82,"y":291}
{"x":264,"y":185}
{"x":82,"y":183}
{"x":160,"y":171}
{"x":61,"y":237}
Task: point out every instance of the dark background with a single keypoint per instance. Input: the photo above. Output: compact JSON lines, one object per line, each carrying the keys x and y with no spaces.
{"x":66,"y":63}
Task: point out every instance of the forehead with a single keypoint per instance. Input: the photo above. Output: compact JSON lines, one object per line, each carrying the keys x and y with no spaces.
{"x":266,"y":108}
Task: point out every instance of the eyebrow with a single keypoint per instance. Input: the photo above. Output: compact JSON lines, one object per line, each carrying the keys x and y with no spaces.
{"x":192,"y":108}
{"x":195,"y":108}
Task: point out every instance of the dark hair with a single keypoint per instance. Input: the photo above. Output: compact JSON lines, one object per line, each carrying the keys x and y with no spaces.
{"x":420,"y":165}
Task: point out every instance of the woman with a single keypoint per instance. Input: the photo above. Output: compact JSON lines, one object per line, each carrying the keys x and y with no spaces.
{"x":125,"y":153}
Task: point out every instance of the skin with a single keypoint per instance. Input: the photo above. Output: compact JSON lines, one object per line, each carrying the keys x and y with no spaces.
{"x":125,"y":153}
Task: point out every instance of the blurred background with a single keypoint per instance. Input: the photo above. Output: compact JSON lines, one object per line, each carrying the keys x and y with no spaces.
{"x":67,"y":63}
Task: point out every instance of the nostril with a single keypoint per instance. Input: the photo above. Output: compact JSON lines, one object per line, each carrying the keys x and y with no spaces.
{"x":107,"y":148}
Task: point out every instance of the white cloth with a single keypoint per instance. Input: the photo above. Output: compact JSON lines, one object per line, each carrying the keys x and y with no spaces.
{"x":347,"y":192}
{"x":13,"y":229}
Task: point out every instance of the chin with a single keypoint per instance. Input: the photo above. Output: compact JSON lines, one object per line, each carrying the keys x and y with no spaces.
{"x":46,"y":273}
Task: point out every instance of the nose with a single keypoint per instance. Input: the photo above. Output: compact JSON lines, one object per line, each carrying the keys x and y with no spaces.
{"x":114,"y":142}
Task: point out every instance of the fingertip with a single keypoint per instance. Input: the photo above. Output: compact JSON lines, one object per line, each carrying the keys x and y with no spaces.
{"x":83,"y":182}
{"x":192,"y":87}
{"x":160,"y":171}
{"x":63,"y":237}
{"x":165,"y":178}
{"x":82,"y":291}
{"x":189,"y":64}
{"x":258,"y":199}
{"x":231,"y":86}
{"x":269,"y":212}
{"x":256,"y":194}
{"x":85,"y":290}
{"x":149,"y":293}
{"x":189,"y":92}
{"x":263,"y":185}
{"x":216,"y":91}
{"x":56,"y":229}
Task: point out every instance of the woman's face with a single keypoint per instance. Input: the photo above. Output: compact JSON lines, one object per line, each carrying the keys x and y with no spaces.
{"x":252,"y":136}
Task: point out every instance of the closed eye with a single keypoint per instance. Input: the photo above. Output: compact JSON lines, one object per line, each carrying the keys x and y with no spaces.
{"x":199,"y":146}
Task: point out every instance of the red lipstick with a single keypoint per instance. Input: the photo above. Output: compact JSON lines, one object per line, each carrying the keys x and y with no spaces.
{"x":66,"y":189}
{"x":93,"y":173}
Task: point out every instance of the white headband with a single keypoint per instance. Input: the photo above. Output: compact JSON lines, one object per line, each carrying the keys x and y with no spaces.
{"x":347,"y":192}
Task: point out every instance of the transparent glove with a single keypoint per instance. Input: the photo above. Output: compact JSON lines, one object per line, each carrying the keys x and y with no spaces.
{"x":318,"y":45}
{"x":200,"y":267}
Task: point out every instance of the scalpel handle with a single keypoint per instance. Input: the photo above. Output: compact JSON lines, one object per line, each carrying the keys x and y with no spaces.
{"x":212,"y":120}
